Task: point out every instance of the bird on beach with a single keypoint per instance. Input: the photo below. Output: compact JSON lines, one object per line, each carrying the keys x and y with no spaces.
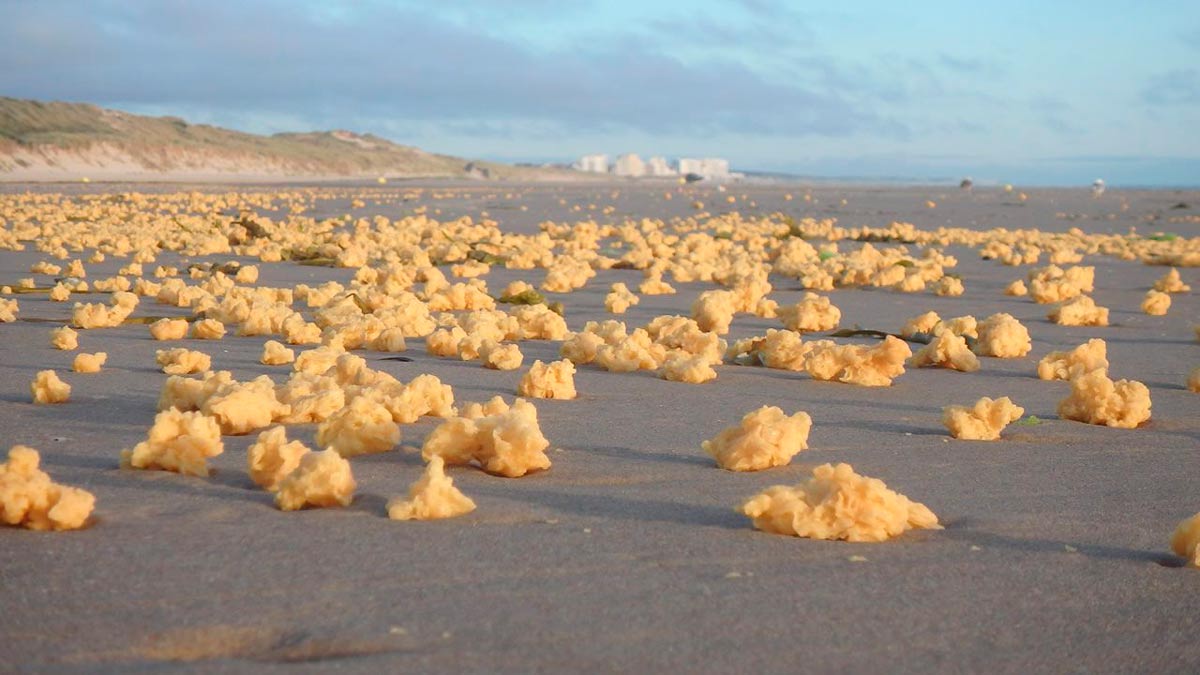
{"x":1098,"y":187}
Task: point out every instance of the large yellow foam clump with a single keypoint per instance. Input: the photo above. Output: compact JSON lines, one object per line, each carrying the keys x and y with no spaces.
{"x":177,"y":441}
{"x":47,"y":388}
{"x":983,"y":421}
{"x":1079,"y":311}
{"x":548,"y":380}
{"x":89,"y":363}
{"x":1003,"y":336}
{"x":432,"y":497}
{"x":1063,"y":365}
{"x":1185,"y":541}
{"x":322,"y":479}
{"x":508,"y":444}
{"x":765,"y":438}
{"x":362,"y":427}
{"x":1097,"y":399}
{"x":874,"y":366}
{"x":29,"y":499}
{"x":947,"y":350}
{"x":837,"y":503}
{"x":272,"y":457}
{"x":182,"y":361}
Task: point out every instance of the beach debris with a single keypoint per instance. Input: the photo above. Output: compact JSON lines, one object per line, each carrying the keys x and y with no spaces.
{"x":1064,"y":365}
{"x":765,"y":438}
{"x":1056,"y":284}
{"x":64,"y":338}
{"x":813,"y":313}
{"x":1097,"y":399}
{"x":30,"y":499}
{"x":1171,"y":282}
{"x":509,"y":443}
{"x":47,"y":388}
{"x":182,"y":361}
{"x":177,"y":441}
{"x":681,"y":366}
{"x":868,"y":366}
{"x":1156,"y":303}
{"x":500,"y":356}
{"x":432,"y":497}
{"x":169,"y":329}
{"x":363,"y":426}
{"x":89,"y":363}
{"x":242,"y":407}
{"x":947,"y":350}
{"x":837,"y":503}
{"x":1185,"y":540}
{"x":620,"y":299}
{"x":272,"y":457}
{"x":983,"y":421}
{"x":548,"y":380}
{"x":1079,"y":311}
{"x":274,"y":353}
{"x":1002,"y":336}
{"x":322,"y":479}
{"x":1016,"y":289}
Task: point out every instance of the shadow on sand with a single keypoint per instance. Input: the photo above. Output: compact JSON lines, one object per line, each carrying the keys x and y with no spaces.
{"x":962,"y":530}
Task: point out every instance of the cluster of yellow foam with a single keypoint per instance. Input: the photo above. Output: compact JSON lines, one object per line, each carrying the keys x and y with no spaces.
{"x":178,"y":441}
{"x":182,"y":361}
{"x":1156,"y":303}
{"x":321,"y":479}
{"x":169,"y":329}
{"x":947,"y":350}
{"x":28,"y":498}
{"x":983,"y":421}
{"x":509,"y":443}
{"x":813,"y":313}
{"x":398,"y":292}
{"x":432,"y":497}
{"x":765,"y":438}
{"x":1097,"y":399}
{"x":1079,"y":311}
{"x":89,"y":363}
{"x":869,"y":366}
{"x":1063,"y":365}
{"x":1185,"y":541}
{"x":548,"y":380}
{"x":781,"y":349}
{"x":47,"y":388}
{"x":96,"y":315}
{"x":1055,"y":284}
{"x":1171,"y":282}
{"x":271,"y":458}
{"x":837,"y":503}
{"x":363,"y":426}
{"x":64,"y":338}
{"x":619,"y":299}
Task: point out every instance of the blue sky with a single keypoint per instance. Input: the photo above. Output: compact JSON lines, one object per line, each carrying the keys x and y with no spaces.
{"x":1026,"y":92}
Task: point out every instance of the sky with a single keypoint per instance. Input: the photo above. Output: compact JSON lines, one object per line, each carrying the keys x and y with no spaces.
{"x":1056,"y":93}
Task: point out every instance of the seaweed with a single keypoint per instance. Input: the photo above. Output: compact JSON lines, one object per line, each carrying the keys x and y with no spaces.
{"x":526,"y":297}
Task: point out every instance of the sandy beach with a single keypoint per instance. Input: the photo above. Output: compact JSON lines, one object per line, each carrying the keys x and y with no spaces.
{"x":628,"y":554}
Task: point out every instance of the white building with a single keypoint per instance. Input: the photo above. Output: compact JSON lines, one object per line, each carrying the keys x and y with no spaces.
{"x":709,"y":167}
{"x":629,"y":165}
{"x":658,"y":166}
{"x":592,"y":164}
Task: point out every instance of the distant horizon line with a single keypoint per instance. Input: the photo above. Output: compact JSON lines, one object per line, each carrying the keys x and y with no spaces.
{"x":913,"y":180}
{"x":1106,"y":164}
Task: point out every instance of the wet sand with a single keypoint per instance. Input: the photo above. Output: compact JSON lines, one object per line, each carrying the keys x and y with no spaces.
{"x":627,"y":555}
